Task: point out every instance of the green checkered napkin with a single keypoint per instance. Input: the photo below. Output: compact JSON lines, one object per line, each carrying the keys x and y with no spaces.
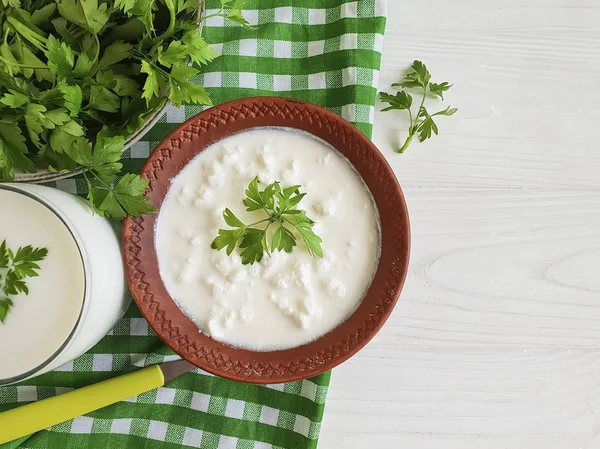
{"x":323,"y":51}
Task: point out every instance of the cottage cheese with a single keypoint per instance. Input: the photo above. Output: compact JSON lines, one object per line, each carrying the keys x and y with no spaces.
{"x":286,"y":300}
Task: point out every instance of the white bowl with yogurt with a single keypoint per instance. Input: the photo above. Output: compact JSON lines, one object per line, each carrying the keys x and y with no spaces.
{"x":80,"y":291}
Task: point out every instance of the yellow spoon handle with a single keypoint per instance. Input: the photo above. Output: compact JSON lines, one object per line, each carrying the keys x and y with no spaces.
{"x":30,"y":418}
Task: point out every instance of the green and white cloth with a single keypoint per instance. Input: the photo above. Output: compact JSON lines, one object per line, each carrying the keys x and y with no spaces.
{"x":326,"y":52}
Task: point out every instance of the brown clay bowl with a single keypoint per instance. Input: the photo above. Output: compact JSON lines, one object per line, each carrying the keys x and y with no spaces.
{"x":179,"y":332}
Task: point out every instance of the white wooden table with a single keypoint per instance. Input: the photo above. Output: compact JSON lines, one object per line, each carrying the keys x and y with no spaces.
{"x":496,"y":340}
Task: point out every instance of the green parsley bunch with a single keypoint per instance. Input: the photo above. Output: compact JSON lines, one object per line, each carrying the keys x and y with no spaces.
{"x":79,"y":76}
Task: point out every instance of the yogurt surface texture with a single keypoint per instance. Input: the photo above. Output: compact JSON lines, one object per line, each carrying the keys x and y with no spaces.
{"x":288,"y":299}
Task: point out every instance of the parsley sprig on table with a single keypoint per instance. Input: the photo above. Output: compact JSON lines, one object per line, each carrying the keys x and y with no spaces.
{"x":279,"y":206}
{"x":14,"y":268}
{"x":79,"y":76}
{"x":418,"y":79}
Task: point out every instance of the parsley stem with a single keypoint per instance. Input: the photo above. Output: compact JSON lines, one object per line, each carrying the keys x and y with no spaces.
{"x":422,"y":101}
{"x":218,"y":14}
{"x":162,"y":71}
{"x":407,"y":143}
{"x":96,"y":178}
{"x":22,"y":66}
{"x":141,"y":57}
{"x":413,"y":125}
{"x":258,"y":222}
{"x":29,"y":35}
{"x":171,"y":26}
{"x":411,"y":132}
{"x":266,"y":244}
{"x":84,"y":173}
{"x":411,"y":120}
{"x":97,"y":48}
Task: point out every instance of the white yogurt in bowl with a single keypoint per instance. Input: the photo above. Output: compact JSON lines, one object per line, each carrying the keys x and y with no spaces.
{"x":79,"y":292}
{"x":288,"y":299}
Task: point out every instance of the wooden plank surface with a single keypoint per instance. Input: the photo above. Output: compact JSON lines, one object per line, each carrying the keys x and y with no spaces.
{"x":496,"y":341}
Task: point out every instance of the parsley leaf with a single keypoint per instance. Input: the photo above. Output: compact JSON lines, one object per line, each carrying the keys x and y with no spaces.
{"x":228,"y":238}
{"x":60,"y":57}
{"x":439,"y":89}
{"x":103,"y":99}
{"x":232,"y":220}
{"x":235,"y":13}
{"x":114,"y":53}
{"x":154,"y":81}
{"x":102,"y":168}
{"x":83,"y":66}
{"x":62,"y":27}
{"x":447,"y":112}
{"x":96,"y":15}
{"x":401,"y":101}
{"x":10,"y":63}
{"x":199,"y":51}
{"x":14,"y":268}
{"x":427,"y":126}
{"x":12,"y":152}
{"x":418,"y":79}
{"x":304,"y":226}
{"x":35,"y":120}
{"x":5,"y":305}
{"x":72,"y":11}
{"x":72,"y":96}
{"x":278,"y":204}
{"x":13,"y":3}
{"x":125,"y":5}
{"x":254,"y":245}
{"x":182,"y":91}
{"x":253,"y":200}
{"x":14,"y":99}
{"x":127,"y":198}
{"x":41,"y":16}
{"x":125,"y":86}
{"x":283,"y":240}
{"x":3,"y":255}
{"x":173,"y":54}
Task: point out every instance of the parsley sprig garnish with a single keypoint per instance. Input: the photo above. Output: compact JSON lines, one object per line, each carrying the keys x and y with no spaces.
{"x":279,"y":206}
{"x":418,"y":79}
{"x":77,"y":77}
{"x":14,"y":268}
